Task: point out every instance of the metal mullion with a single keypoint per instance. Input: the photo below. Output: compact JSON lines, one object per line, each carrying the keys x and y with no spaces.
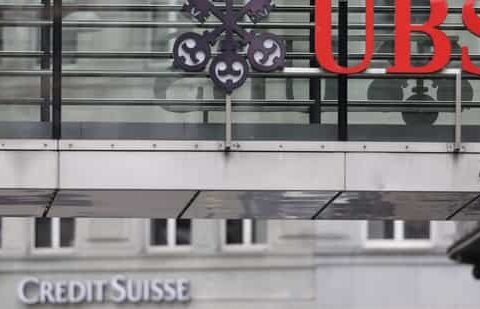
{"x":55,"y":233}
{"x":228,"y":122}
{"x":399,"y":230}
{"x":315,"y":83}
{"x":45,"y":63}
{"x":57,"y":70}
{"x":343,"y":79}
{"x":247,"y":232}
{"x":458,"y":111}
{"x":171,"y":232}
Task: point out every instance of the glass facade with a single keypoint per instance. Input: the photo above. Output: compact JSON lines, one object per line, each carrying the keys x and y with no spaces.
{"x":112,"y":78}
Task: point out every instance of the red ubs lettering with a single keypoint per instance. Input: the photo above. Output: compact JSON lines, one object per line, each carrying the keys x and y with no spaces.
{"x":404,"y":28}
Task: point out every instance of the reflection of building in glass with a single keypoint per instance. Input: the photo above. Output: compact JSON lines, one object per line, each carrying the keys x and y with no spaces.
{"x":281,"y":101}
{"x":421,"y":91}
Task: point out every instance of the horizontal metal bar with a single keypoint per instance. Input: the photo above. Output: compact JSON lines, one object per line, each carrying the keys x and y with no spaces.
{"x":290,"y":106}
{"x":188,"y":25}
{"x":260,"y":103}
{"x":287,"y":72}
{"x":181,"y":25}
{"x":170,"y":8}
{"x":284,"y":146}
{"x":275,"y":146}
{"x":25,"y":73}
{"x":168,"y":55}
{"x":156,"y":55}
{"x":21,"y":54}
{"x":24,"y":23}
{"x":28,"y":144}
{"x":21,"y":101}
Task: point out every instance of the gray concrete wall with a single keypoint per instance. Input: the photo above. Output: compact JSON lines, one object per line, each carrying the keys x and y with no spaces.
{"x":304,"y":265}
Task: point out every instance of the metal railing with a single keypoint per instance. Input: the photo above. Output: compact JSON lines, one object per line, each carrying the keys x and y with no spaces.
{"x":51,"y":73}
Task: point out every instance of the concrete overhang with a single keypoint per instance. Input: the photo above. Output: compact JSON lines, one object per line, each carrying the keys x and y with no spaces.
{"x":262,"y":180}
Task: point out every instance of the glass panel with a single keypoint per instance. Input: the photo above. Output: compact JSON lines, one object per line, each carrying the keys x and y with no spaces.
{"x":234,"y":232}
{"x":43,"y":233}
{"x":67,"y":232}
{"x":24,"y":91}
{"x":158,"y":232}
{"x":417,"y":230}
{"x":184,"y":232}
{"x":259,"y":232}
{"x":288,"y":107}
{"x":125,"y":99}
{"x":408,"y":109}
{"x":1,"y":232}
{"x":381,"y":230}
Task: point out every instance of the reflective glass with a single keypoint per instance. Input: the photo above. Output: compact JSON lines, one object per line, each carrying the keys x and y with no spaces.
{"x":234,"y":232}
{"x":416,"y":230}
{"x":184,"y":232}
{"x":43,"y":233}
{"x":381,"y":230}
{"x":158,"y":232}
{"x":119,"y":80}
{"x":259,"y":232}
{"x":25,"y":80}
{"x":67,"y":232}
{"x":123,"y":84}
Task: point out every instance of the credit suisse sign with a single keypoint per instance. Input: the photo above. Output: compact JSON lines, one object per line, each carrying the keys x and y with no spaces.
{"x":117,"y":290}
{"x":265,"y":52}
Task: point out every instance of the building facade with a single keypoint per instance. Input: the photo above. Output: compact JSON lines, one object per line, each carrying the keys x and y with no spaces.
{"x":128,"y":130}
{"x":131,"y":263}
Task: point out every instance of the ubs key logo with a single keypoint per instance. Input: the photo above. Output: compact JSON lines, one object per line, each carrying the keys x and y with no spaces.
{"x":228,"y":70}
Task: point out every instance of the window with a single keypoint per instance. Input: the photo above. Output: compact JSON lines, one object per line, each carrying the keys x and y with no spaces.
{"x":399,"y":233}
{"x":2,"y":38}
{"x":1,"y":232}
{"x":54,"y":233}
{"x":245,"y":232}
{"x":170,"y":233}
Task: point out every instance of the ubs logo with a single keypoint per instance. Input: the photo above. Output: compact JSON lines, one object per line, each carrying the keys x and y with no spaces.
{"x":228,"y":69}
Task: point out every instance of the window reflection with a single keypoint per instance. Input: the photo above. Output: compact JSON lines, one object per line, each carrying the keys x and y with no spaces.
{"x":43,"y":233}
{"x":381,"y":230}
{"x":158,"y":232}
{"x":170,"y":232}
{"x":67,"y":232}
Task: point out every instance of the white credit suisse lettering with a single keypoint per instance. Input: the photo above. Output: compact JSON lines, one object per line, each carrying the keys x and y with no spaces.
{"x":118,"y":290}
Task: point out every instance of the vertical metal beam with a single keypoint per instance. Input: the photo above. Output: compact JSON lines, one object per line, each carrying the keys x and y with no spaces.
{"x":343,"y":79}
{"x":57,"y":70}
{"x":289,"y":94}
{"x":45,"y":63}
{"x":315,"y":83}
{"x":458,"y":111}
{"x":228,"y":122}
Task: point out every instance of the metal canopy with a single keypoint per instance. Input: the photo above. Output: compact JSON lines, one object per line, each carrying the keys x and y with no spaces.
{"x":347,"y":181}
{"x":302,"y":205}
